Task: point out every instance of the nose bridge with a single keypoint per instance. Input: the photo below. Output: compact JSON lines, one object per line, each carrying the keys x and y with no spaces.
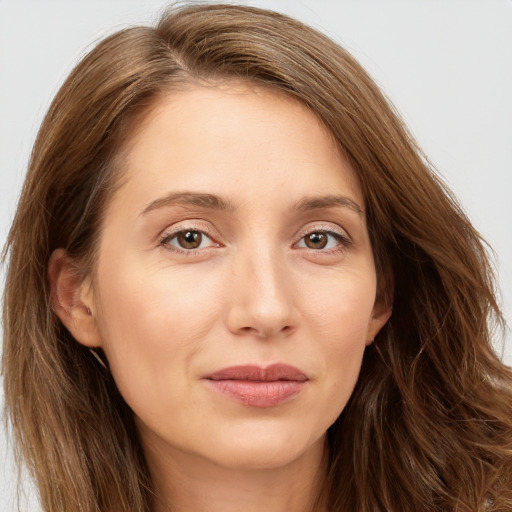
{"x":262,"y":293}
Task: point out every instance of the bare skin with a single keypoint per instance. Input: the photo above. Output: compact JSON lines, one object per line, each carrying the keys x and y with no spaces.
{"x":237,"y":238}
{"x":195,"y":484}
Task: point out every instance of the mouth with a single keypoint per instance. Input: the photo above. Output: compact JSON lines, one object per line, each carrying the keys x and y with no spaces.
{"x":255,"y":386}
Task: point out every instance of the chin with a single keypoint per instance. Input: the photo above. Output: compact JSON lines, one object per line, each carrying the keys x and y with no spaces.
{"x":270,"y":450}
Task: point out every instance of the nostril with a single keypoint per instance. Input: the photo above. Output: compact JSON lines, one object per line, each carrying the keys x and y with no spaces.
{"x":265,"y":333}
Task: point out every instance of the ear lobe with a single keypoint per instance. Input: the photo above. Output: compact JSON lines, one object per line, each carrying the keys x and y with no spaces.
{"x":72,"y":299}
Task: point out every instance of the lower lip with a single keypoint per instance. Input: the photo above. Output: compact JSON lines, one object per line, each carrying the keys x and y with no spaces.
{"x":258,"y":394}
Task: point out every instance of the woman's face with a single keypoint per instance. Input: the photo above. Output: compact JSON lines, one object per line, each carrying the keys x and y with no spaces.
{"x":234,"y":292}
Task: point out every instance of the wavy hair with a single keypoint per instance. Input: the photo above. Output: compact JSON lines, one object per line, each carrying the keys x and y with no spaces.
{"x":429,"y":425}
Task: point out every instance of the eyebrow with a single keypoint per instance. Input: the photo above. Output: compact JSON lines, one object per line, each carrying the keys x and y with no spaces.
{"x":214,"y":202}
{"x":209,"y":201}
{"x":328,"y":201}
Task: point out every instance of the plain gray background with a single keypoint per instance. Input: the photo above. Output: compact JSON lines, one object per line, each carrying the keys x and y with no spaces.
{"x":445,"y":64}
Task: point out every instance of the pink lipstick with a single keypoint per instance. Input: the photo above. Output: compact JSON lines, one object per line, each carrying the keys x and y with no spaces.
{"x":259,"y":387}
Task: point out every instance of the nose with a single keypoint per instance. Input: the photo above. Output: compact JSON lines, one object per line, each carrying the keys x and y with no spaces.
{"x":261,"y":297}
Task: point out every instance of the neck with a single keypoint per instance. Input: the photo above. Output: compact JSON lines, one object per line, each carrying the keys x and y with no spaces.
{"x":186,"y":482}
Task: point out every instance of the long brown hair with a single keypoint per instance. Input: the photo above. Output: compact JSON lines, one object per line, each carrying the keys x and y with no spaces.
{"x":429,"y":425}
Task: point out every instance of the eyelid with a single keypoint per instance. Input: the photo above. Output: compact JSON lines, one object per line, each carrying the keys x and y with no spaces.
{"x":344,"y":239}
{"x":189,"y":225}
{"x":339,"y":233}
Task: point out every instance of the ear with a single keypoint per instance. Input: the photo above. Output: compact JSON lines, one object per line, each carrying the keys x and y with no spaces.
{"x":72,"y":299}
{"x":380,"y":315}
{"x":382,"y":309}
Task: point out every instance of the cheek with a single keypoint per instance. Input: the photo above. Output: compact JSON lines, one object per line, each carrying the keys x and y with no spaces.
{"x":339,"y":317}
{"x":151,"y":322}
{"x":341,"y":309}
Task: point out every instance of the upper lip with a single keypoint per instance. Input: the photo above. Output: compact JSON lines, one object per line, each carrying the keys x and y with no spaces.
{"x":272,"y":373}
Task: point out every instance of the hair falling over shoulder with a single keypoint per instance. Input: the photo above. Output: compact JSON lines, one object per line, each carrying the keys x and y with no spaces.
{"x":429,"y":425}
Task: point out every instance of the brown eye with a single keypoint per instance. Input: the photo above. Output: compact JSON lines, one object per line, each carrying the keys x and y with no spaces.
{"x":324,"y":241}
{"x":189,"y":239}
{"x":316,"y":240}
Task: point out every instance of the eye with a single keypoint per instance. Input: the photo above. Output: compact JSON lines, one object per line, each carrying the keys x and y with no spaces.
{"x":187,"y":239}
{"x":323,"y":240}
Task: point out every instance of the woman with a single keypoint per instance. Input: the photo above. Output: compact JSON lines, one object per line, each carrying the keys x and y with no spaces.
{"x":234,"y":282}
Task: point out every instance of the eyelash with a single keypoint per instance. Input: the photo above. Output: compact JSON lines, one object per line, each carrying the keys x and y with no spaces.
{"x":344,"y":241}
{"x":168,"y":236}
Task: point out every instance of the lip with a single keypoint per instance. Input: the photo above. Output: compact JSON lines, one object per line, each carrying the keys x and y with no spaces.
{"x":258,"y":386}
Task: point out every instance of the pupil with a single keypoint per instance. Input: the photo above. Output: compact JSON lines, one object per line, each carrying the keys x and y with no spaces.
{"x":190,"y":239}
{"x":316,"y":240}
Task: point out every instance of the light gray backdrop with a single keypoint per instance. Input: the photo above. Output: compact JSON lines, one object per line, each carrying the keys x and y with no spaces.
{"x":446,"y":65}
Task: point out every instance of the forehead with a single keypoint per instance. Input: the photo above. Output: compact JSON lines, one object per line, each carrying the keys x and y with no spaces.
{"x":234,"y":138}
